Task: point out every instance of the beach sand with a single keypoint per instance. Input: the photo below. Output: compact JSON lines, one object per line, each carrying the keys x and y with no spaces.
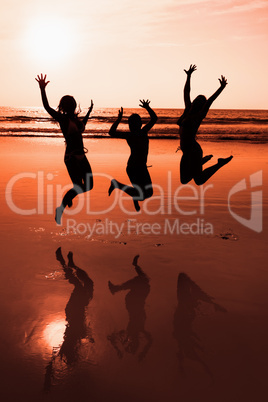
{"x":205,"y":340}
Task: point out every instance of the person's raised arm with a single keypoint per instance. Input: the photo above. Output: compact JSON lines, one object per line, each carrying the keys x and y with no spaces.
{"x":113,"y":132}
{"x":85,"y":119}
{"x":223,"y":83}
{"x":187,"y":86}
{"x":146,"y":105}
{"x":42,"y":85}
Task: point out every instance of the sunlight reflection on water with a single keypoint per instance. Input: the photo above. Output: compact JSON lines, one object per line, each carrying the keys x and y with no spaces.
{"x":54,"y":331}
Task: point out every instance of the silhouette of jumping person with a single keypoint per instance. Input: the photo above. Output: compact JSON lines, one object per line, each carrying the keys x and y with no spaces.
{"x":190,"y":296}
{"x":138,"y":142}
{"x":77,"y":327}
{"x":192,"y":161}
{"x":130,"y":339}
{"x":75,"y":159}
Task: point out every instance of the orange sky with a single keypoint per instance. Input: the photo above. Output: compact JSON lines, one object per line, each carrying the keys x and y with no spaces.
{"x":116,"y":52}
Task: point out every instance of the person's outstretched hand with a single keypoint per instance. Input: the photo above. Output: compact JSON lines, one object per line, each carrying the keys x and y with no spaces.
{"x":120,"y":113}
{"x":223,"y":81}
{"x":192,"y":68}
{"x":91,"y":106}
{"x":144,"y":103}
{"x":42,"y":81}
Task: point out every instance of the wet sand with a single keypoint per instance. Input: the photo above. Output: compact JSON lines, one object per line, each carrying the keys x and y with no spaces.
{"x":189,"y":324}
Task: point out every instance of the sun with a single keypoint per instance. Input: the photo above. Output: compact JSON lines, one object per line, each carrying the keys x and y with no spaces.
{"x":49,"y":40}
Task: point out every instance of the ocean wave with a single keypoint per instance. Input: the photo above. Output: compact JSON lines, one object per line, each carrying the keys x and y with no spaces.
{"x":163,"y":136}
{"x":161,"y":120}
{"x":219,"y":125}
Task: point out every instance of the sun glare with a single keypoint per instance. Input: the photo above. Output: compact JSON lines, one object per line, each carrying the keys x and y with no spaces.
{"x":54,"y":331}
{"x":49,"y":40}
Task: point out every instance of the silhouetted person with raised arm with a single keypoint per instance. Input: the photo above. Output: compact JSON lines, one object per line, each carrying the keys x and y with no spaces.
{"x":138,"y":142}
{"x":190,"y":296}
{"x":129,"y":340}
{"x":77,"y":327}
{"x":192,"y":161}
{"x":75,"y":159}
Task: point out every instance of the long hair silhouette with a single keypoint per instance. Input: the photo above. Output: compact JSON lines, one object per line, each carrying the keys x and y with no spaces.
{"x":192,"y":160}
{"x":190,"y":296}
{"x":75,"y":159}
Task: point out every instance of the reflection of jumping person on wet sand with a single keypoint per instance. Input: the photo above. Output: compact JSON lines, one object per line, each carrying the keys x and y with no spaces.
{"x":192,"y":161}
{"x":190,"y":296}
{"x":130,"y":339}
{"x":77,"y":327}
{"x":138,"y":142}
{"x":75,"y":160}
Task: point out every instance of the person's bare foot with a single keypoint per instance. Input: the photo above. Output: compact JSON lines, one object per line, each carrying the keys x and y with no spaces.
{"x":59,"y":256}
{"x":58,"y":214}
{"x":136,"y":205}
{"x":70,"y":259}
{"x":112,"y":187}
{"x":224,"y":161}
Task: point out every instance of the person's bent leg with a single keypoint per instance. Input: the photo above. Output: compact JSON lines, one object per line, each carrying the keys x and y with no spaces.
{"x":186,"y":173}
{"x":207,"y":173}
{"x":131,"y":191}
{"x":67,"y":201}
{"x":145,"y":184}
{"x":81,"y":175}
{"x":86,"y":175}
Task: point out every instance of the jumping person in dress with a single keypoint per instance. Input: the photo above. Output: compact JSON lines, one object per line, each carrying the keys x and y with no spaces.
{"x":138,"y":142}
{"x":192,"y":161}
{"x":75,"y":159}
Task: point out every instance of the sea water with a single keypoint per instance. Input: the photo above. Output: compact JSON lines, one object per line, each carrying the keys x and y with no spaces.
{"x":219,"y":125}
